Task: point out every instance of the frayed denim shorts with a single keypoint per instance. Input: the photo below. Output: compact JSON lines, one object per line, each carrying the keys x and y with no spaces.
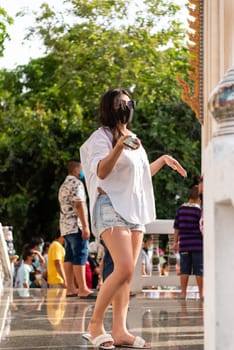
{"x":106,"y":217}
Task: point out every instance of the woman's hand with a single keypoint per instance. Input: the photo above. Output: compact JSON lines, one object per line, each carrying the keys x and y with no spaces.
{"x":175,"y":165}
{"x":107,"y":164}
{"x":120,"y":143}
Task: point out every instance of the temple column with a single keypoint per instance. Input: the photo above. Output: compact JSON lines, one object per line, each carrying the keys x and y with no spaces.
{"x":218,"y":53}
{"x":218,"y":170}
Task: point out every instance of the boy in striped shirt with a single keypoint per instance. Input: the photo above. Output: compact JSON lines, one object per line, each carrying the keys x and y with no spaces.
{"x":188,"y":240}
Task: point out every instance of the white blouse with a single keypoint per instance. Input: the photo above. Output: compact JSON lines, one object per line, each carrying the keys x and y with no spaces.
{"x":129,"y":184}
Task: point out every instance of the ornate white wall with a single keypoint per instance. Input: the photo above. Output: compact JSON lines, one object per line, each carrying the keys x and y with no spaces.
{"x":218,"y":53}
{"x":218,"y":170}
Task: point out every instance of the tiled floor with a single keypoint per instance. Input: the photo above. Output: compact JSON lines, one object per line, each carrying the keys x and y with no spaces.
{"x":48,"y":320}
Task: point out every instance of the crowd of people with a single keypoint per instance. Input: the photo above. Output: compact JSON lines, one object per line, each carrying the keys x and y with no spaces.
{"x":45,"y":268}
{"x":118,"y":178}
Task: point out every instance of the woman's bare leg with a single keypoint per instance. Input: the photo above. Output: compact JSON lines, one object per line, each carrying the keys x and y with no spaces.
{"x":120,"y":301}
{"x":119,"y":242}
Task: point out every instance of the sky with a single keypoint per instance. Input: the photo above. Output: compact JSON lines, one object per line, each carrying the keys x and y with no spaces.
{"x":16,"y":52}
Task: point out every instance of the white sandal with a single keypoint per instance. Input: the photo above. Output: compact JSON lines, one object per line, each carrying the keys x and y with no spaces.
{"x":139,"y":343}
{"x":99,"y":340}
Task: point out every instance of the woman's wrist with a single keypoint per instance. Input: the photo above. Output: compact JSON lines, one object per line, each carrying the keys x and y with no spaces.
{"x":117,"y":150}
{"x":163,"y":158}
{"x":119,"y":146}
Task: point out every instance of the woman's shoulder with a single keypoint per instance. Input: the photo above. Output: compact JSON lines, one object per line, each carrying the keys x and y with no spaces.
{"x":89,"y":141}
{"x":100,"y":133}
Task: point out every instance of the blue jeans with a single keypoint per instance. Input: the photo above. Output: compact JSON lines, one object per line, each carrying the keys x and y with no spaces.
{"x":76,"y":248}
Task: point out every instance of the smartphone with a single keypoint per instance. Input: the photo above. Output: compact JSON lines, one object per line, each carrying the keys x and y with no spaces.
{"x":131,"y":142}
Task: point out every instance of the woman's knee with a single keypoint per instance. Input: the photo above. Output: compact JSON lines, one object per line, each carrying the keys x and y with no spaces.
{"x":125,"y":273}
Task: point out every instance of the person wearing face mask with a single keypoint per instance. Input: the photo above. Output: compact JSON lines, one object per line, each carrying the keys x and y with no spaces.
{"x":37,"y":244}
{"x":74,"y":227}
{"x":119,"y":184}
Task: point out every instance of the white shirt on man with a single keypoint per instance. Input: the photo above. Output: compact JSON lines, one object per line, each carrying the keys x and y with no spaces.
{"x":129,"y":185}
{"x":71,"y":190}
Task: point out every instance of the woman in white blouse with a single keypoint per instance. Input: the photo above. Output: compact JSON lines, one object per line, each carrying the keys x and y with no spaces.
{"x":118,"y":179}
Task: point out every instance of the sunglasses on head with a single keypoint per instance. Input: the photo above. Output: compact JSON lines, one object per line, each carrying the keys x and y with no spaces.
{"x":122,"y":103}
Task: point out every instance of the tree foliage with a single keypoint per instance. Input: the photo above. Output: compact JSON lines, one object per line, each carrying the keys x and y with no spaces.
{"x":50,"y":105}
{"x":4,"y":21}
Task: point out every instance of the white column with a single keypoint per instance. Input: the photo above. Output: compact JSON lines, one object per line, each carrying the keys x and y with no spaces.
{"x":218,"y":53}
{"x":218,"y":169}
{"x":219,"y":244}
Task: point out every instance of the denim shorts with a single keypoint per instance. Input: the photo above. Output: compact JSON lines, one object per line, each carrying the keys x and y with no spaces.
{"x":191,"y":263}
{"x":106,"y":217}
{"x":76,"y":248}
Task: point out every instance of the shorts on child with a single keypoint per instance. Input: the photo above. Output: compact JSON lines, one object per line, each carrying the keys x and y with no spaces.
{"x":191,"y":263}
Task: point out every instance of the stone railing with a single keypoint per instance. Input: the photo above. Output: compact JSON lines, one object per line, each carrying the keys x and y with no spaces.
{"x":156,"y":228}
{"x":5,"y":264}
{"x":6,"y":298}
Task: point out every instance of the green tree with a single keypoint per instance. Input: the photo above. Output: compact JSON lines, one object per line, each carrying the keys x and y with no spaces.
{"x":4,"y":21}
{"x":50,"y":105}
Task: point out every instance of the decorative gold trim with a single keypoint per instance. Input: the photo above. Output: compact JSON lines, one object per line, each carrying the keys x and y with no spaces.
{"x":192,"y":92}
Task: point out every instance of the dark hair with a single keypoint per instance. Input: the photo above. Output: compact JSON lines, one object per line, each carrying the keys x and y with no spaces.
{"x":194,"y":193}
{"x":147,"y":238}
{"x":36,"y":241}
{"x":57,"y":234}
{"x":45,"y":246}
{"x":107,"y":113}
{"x":26,"y":252}
{"x":71,"y":164}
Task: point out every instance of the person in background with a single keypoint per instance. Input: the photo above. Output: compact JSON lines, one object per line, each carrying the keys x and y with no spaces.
{"x":45,"y":250}
{"x":36,"y":244}
{"x":146,"y":259}
{"x":22,"y":279}
{"x":88,"y":274}
{"x":108,"y":264}
{"x":188,"y":241}
{"x":164,"y":270}
{"x":44,"y":267}
{"x":95,"y":265}
{"x":74,"y":227}
{"x":56,"y":277}
{"x":118,"y":179}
